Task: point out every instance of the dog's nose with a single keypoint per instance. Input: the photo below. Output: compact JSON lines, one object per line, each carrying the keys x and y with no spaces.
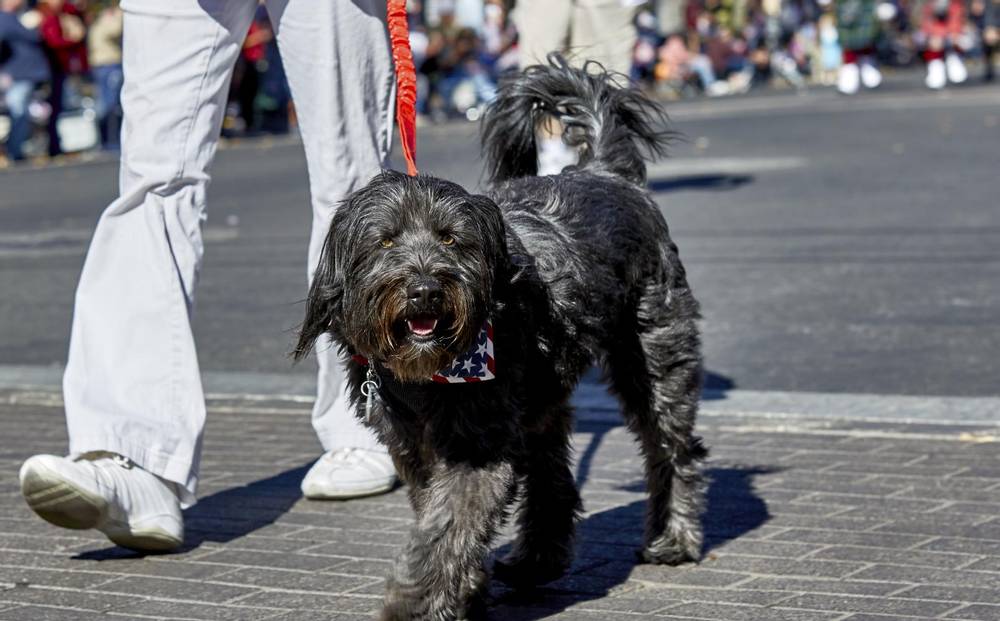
{"x":424,"y":292}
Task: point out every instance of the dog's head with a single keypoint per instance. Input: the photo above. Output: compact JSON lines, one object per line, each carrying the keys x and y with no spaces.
{"x":407,"y":274}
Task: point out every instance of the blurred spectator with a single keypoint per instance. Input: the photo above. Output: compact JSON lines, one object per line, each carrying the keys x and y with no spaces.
{"x":942,"y":27}
{"x":23,"y":66}
{"x":829,"y":54}
{"x":986,"y":17}
{"x":600,"y":30}
{"x":246,"y":74}
{"x":857,"y":31}
{"x":63,"y":33}
{"x":458,"y":67}
{"x":677,"y":66}
{"x":274,"y":98}
{"x":104,"y":45}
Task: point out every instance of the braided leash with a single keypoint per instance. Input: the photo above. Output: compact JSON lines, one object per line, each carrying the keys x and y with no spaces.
{"x":406,"y":81}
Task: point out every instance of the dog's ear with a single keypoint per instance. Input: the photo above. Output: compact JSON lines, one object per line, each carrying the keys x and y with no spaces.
{"x":325,"y":302}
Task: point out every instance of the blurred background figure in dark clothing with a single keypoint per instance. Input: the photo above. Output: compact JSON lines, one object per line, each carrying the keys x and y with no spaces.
{"x":985,"y":15}
{"x":23,"y":67}
{"x":104,"y":46}
{"x":259,"y":98}
{"x":64,"y":36}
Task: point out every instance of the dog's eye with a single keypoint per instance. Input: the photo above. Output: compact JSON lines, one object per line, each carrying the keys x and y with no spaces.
{"x":447,"y":240}
{"x":387,"y":243}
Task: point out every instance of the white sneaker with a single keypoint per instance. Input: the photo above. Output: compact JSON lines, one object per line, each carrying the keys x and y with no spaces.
{"x":871,"y":77}
{"x":936,"y":76}
{"x":349,"y":473}
{"x":849,"y":79}
{"x":957,"y":73}
{"x":134,"y":508}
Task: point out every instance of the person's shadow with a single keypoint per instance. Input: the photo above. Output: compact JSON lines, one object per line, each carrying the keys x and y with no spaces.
{"x":229,"y":514}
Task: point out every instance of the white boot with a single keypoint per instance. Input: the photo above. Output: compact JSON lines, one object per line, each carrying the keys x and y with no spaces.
{"x":871,"y":77}
{"x":957,"y":73}
{"x":349,"y":473}
{"x":134,"y":508}
{"x":848,"y":79}
{"x":936,"y":76}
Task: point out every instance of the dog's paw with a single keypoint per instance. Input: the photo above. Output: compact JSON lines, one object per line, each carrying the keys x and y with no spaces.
{"x":667,"y":551}
{"x":523,"y":572}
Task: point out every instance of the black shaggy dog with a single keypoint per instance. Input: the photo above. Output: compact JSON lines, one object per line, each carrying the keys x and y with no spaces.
{"x":568,"y":270}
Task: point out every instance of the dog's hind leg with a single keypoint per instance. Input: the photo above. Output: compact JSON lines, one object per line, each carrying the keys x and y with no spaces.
{"x":656,"y":372}
{"x":439,"y":575}
{"x":549,"y":509}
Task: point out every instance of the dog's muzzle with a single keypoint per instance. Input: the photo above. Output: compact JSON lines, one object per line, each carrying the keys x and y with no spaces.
{"x":424,"y":301}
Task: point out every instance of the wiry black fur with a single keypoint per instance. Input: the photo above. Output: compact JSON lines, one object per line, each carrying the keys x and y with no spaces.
{"x":572,"y":269}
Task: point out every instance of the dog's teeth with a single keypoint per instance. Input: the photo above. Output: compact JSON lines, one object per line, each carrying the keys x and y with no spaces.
{"x":422,"y":327}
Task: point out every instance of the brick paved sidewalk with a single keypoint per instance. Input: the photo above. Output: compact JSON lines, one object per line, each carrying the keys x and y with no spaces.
{"x":808,"y":520}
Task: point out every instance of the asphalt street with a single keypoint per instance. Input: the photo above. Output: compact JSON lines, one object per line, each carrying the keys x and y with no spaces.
{"x":837,"y":245}
{"x":847,"y":256}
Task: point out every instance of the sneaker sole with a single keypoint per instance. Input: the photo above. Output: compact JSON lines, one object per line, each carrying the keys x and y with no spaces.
{"x":349,"y":494}
{"x":60,"y":503}
{"x":143,"y":540}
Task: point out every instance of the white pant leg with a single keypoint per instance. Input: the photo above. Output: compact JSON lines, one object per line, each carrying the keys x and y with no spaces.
{"x":132,"y":382}
{"x":339,"y":67}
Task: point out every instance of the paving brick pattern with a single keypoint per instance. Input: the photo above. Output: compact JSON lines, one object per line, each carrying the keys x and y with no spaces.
{"x":806,"y":522}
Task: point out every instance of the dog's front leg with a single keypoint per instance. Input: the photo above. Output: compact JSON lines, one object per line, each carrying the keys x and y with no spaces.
{"x":439,"y":575}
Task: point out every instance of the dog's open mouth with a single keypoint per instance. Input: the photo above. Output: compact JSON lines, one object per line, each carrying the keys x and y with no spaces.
{"x":422,"y":326}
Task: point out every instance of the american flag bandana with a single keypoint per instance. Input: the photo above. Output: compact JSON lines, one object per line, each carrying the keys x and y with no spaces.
{"x":475,"y":365}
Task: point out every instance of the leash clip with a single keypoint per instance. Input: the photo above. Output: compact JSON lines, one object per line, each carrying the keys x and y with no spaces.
{"x":369,"y":388}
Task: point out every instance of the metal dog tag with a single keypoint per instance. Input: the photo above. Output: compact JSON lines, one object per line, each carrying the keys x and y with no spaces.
{"x":368,"y":389}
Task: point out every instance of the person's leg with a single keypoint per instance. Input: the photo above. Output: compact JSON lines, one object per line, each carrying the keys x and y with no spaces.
{"x":101,"y":107}
{"x":115,"y":79}
{"x":543,"y":26}
{"x":108,"y":79}
{"x":132,"y":390}
{"x":339,"y":67}
{"x":604,"y":30}
{"x":56,"y":90}
{"x":132,"y":383}
{"x":17,"y":98}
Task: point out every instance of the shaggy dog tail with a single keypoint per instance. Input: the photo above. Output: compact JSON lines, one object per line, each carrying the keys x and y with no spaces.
{"x":614,"y":128}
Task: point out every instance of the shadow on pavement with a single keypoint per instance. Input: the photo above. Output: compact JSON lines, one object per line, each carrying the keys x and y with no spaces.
{"x":227,"y":515}
{"x":699,"y":182}
{"x":714,"y":386}
{"x":734,"y":509}
{"x":607,"y":541}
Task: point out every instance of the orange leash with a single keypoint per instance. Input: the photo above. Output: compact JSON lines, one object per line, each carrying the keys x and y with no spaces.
{"x":406,"y":81}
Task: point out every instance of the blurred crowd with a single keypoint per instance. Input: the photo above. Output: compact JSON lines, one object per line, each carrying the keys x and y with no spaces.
{"x":61,"y":72}
{"x":724,"y":46}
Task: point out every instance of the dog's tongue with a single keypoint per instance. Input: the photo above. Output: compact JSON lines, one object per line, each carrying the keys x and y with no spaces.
{"x":422,"y":326}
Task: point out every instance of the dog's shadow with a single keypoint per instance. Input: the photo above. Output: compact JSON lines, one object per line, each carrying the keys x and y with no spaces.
{"x":608,"y":541}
